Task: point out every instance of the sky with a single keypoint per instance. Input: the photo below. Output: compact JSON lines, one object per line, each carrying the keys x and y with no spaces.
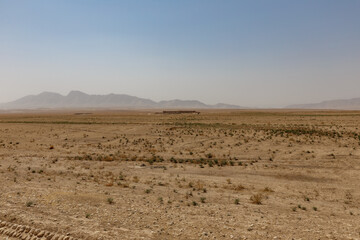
{"x":255,"y":53}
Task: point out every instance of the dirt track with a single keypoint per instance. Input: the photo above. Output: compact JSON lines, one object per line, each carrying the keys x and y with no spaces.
{"x":15,"y":231}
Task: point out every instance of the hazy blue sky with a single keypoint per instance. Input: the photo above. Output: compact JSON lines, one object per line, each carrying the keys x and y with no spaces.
{"x":252,"y":53}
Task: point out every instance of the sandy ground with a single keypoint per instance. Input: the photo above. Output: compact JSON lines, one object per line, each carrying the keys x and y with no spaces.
{"x":216,"y":175}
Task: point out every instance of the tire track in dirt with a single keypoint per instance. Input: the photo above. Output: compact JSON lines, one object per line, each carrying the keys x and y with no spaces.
{"x":15,"y":231}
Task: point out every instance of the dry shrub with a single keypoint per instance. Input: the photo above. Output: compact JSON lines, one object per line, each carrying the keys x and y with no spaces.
{"x":239,"y":187}
{"x":135,"y":179}
{"x":257,"y":199}
{"x":267,"y":189}
{"x":108,"y":159}
{"x":199,"y":185}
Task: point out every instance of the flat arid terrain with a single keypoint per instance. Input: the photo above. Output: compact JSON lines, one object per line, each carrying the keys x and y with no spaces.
{"x":231,"y":174}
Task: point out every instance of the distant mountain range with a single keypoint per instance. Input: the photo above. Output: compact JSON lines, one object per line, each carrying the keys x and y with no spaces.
{"x":77,"y":99}
{"x":345,"y":104}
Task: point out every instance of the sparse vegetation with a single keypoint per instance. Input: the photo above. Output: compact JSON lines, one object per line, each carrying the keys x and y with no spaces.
{"x":215,"y":167}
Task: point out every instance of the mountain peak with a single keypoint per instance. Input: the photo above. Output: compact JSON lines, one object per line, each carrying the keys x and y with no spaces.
{"x":77,"y":93}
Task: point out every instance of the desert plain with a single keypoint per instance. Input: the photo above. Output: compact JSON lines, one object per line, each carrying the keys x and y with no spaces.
{"x":229,"y":174}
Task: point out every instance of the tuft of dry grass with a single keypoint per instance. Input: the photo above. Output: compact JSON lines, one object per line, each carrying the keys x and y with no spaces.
{"x":257,"y":199}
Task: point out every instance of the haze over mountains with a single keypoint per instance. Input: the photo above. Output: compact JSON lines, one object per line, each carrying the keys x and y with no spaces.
{"x":345,"y":104}
{"x":77,"y":99}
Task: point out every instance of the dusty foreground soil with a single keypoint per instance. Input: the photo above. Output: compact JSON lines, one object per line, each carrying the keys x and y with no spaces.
{"x":216,"y":175}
